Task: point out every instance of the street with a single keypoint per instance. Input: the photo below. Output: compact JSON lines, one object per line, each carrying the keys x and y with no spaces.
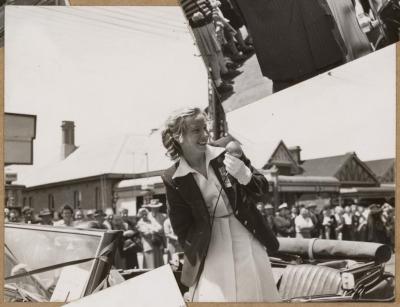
{"x":249,"y":87}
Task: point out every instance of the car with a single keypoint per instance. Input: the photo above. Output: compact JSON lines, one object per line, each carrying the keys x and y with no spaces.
{"x":46,"y":252}
{"x":320,"y":270}
{"x":37,"y":259}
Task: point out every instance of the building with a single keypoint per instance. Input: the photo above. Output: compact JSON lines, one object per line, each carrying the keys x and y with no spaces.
{"x":341,"y":179}
{"x":384,"y":169}
{"x":88,"y":176}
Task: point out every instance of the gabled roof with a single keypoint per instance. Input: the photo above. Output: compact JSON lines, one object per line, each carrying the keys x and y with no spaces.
{"x":380,"y":167}
{"x":282,"y":156}
{"x":123,"y":154}
{"x":327,"y":166}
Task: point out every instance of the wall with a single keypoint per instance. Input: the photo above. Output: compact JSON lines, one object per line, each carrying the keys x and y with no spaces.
{"x":64,"y":194}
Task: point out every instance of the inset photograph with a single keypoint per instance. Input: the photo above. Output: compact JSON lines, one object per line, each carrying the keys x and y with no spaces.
{"x":254,"y":49}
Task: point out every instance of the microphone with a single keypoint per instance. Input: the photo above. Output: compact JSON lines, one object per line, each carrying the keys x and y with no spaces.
{"x":234,"y":149}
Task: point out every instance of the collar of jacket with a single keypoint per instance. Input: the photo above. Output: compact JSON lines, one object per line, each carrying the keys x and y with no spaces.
{"x":190,"y":192}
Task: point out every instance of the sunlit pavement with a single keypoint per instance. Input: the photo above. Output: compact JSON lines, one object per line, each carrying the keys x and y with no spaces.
{"x":249,"y":87}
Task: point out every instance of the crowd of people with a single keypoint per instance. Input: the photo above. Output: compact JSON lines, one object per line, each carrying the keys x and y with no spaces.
{"x":374,"y":223}
{"x":293,"y":40}
{"x":216,"y":26}
{"x":148,"y":239}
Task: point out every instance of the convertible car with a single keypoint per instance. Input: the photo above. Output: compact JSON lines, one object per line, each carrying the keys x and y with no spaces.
{"x":45,"y":263}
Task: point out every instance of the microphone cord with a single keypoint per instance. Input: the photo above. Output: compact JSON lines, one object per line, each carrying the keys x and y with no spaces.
{"x":211,"y":228}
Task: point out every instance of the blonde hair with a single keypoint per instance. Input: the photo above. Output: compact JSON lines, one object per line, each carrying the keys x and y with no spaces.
{"x":174,"y":129}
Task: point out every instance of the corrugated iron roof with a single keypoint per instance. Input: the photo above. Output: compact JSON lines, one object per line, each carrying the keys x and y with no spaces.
{"x":123,"y":154}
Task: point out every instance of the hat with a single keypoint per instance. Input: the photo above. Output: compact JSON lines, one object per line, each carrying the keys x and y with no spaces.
{"x":283,"y":206}
{"x":154,"y":203}
{"x":45,"y":212}
{"x":98,"y":212}
{"x":128,"y":233}
{"x":26,"y":209}
{"x":375,"y":209}
{"x":311,"y":205}
{"x":268,"y":206}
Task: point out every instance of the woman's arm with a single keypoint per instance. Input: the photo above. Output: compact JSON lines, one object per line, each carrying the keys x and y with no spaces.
{"x":253,"y":182}
{"x":179,"y":213}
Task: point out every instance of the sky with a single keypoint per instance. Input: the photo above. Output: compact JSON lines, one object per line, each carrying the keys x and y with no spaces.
{"x":118,"y":70}
{"x":351,"y":110}
{"x":111,"y":70}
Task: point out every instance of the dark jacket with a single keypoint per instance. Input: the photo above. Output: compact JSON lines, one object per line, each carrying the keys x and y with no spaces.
{"x":284,"y":227}
{"x":293,"y":39}
{"x":191,"y":220}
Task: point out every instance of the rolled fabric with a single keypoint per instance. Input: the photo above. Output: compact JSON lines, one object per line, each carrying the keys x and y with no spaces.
{"x":335,"y":249}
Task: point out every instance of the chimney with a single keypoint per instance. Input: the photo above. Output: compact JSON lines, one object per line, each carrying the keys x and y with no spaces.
{"x":295,"y":152}
{"x":68,"y":139}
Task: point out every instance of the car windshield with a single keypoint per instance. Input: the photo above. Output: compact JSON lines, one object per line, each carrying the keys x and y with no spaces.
{"x":30,"y":249}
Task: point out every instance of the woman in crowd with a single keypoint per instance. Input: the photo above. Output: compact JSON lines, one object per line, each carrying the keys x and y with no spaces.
{"x":303,"y":224}
{"x":376,"y":231}
{"x":200,"y":17}
{"x":212,"y":198}
{"x":150,"y":231}
{"x":339,"y":211}
{"x":328,"y":224}
{"x":67,"y":214}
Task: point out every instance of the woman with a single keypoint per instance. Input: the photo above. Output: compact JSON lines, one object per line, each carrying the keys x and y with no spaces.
{"x":339,"y":211}
{"x":355,"y":40}
{"x":303,"y":224}
{"x":150,"y":231}
{"x":212,"y":198}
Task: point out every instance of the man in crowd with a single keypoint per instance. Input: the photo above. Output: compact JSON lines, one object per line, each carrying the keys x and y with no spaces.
{"x":269,"y":216}
{"x":282,"y":222}
{"x":46,"y":217}
{"x":99,"y":217}
{"x":315,"y":232}
{"x":13,"y":216}
{"x":27,"y":214}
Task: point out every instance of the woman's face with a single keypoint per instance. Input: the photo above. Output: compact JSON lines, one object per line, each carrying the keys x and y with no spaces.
{"x":195,"y":137}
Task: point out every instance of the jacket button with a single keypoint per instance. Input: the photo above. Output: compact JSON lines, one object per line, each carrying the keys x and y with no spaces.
{"x":245,"y":222}
{"x":254,"y":231}
{"x":236,"y":212}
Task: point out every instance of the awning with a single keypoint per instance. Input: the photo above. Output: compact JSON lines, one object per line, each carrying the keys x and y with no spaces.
{"x":143,"y":183}
{"x":385,"y":190}
{"x":311,"y":184}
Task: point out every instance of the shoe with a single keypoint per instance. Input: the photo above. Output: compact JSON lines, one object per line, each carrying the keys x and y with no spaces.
{"x":224,"y":88}
{"x":223,"y":97}
{"x":232,"y":65}
{"x":230,"y":74}
{"x":247,"y":49}
{"x":238,"y":57}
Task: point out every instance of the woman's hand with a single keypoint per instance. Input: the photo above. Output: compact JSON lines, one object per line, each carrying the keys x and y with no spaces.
{"x":237,"y":169}
{"x":197,"y":16}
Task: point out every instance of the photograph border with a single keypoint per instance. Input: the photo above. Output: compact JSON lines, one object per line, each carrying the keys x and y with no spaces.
{"x":174,"y":3}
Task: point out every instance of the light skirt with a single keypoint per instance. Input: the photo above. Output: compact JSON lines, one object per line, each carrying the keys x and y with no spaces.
{"x":206,"y":39}
{"x":236,"y":269}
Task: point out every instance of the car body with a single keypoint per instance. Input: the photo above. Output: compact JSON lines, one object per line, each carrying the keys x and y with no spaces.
{"x":30,"y":247}
{"x":306,"y":270}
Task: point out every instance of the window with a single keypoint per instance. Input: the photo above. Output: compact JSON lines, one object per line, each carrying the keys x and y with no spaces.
{"x":50,"y":202}
{"x":97,"y":197}
{"x":30,"y":202}
{"x":24,"y":202}
{"x":77,"y":199}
